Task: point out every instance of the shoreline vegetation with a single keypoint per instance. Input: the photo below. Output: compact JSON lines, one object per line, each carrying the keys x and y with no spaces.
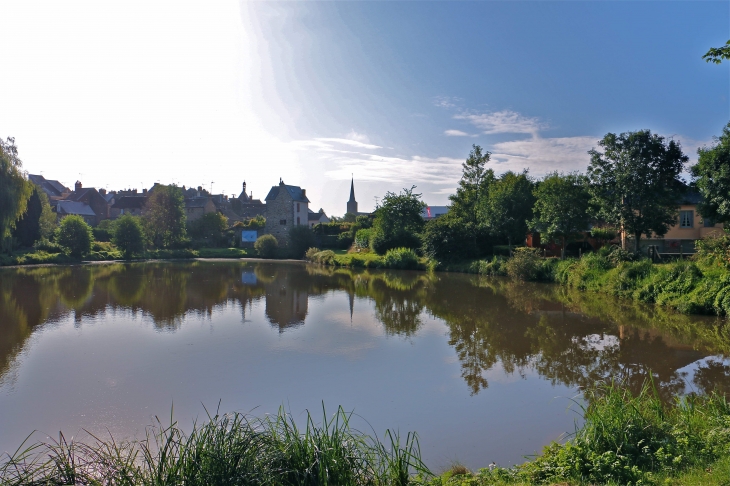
{"x":624,"y":440}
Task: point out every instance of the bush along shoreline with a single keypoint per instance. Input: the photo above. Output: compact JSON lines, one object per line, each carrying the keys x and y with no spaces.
{"x":624,"y":440}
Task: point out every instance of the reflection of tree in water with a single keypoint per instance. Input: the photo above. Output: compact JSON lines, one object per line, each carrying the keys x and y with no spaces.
{"x":712,"y":375}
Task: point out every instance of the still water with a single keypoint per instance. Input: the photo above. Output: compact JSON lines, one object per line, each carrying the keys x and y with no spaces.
{"x":483,"y":369}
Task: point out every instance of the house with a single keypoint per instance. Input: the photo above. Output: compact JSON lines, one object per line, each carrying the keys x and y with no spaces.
{"x":133,"y":205}
{"x":92,"y":198}
{"x":196,"y":207}
{"x":286,"y":207}
{"x":52,"y":188}
{"x":433,"y":212}
{"x":317,"y":218}
{"x":246,"y":206}
{"x":66,"y":208}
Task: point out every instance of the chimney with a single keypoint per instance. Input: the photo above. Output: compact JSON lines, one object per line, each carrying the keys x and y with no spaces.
{"x":102,"y":192}
{"x":200,"y":188}
{"x":144,"y":192}
{"x":78,"y":185}
{"x":304,"y":193}
{"x":281,"y":181}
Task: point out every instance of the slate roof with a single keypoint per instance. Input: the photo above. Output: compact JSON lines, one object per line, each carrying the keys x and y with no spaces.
{"x":692,"y":197}
{"x":51,"y":188}
{"x":295,"y":192}
{"x":196,"y":202}
{"x":130,"y":202}
{"x":76,"y":195}
{"x":73,"y":207}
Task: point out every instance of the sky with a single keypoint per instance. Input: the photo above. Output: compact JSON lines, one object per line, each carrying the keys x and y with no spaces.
{"x":125,"y":94}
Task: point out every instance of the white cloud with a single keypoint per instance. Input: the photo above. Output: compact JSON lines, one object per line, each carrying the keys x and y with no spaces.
{"x":543,"y":155}
{"x":357,"y":137}
{"x":505,"y":121}
{"x":406,"y":169}
{"x":455,"y":133}
{"x":351,"y":143}
{"x":447,"y":101}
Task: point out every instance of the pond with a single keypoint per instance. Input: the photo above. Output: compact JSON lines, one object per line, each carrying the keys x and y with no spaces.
{"x":483,"y":369}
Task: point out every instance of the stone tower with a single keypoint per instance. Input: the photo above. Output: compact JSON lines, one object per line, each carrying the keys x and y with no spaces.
{"x":352,"y":204}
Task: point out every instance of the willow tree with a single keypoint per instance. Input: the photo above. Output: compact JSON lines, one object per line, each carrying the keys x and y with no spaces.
{"x":15,"y":190}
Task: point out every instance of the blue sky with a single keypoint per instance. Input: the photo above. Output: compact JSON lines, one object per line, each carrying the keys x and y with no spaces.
{"x":392,"y":92}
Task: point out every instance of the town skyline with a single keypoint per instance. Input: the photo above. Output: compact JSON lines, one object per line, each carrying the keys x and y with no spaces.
{"x":194,"y":93}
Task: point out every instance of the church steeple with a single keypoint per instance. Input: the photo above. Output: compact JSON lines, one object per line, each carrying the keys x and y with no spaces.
{"x":352,"y":204}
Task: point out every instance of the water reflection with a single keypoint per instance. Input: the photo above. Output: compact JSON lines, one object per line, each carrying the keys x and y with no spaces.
{"x":568,"y":338}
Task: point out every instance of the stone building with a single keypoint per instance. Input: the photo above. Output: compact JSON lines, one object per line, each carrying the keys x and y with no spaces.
{"x":246,"y":206}
{"x":286,"y":207}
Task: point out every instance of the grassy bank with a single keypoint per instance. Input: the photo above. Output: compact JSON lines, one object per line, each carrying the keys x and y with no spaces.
{"x":624,"y":440}
{"x":111,"y":254}
{"x":399,"y":258}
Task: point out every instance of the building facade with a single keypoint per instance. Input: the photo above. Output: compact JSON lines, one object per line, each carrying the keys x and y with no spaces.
{"x":286,"y":207}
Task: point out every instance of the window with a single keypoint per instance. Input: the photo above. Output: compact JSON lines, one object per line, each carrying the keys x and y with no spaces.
{"x":686,"y":219}
{"x":297,"y":207}
{"x":282,"y":222}
{"x":298,"y":223}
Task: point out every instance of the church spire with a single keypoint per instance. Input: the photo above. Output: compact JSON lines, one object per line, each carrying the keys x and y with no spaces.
{"x":352,"y":204}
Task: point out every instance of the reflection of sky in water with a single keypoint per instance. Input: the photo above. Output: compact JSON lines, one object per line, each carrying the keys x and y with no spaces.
{"x":484,"y":370}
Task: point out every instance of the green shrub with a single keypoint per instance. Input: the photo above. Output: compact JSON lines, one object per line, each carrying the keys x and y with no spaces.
{"x":266,"y":246}
{"x":74,"y":236}
{"x":401,"y":258}
{"x":326,"y":257}
{"x":129,"y":236}
{"x":47,"y":246}
{"x":309,"y":255}
{"x":525,"y":264}
{"x":362,"y":237}
{"x":448,"y":239}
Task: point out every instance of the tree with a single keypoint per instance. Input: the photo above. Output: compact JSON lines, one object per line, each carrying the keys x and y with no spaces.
{"x":15,"y":190}
{"x":349,"y":218}
{"x":74,"y":236}
{"x":713,"y":178}
{"x":301,"y":239}
{"x":165,"y":216}
{"x":48,"y":221}
{"x":507,"y":207}
{"x":129,"y":235}
{"x":635,"y":182}
{"x":28,"y":228}
{"x":473,"y":188}
{"x":210,"y":226}
{"x":398,"y":221}
{"x":718,"y":54}
{"x":562,"y":207}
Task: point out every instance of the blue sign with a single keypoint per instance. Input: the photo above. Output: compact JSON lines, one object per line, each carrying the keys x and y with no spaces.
{"x":249,"y":236}
{"x":248,"y":278}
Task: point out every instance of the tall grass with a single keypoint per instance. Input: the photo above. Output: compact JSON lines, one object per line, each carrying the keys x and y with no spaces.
{"x":228,"y":449}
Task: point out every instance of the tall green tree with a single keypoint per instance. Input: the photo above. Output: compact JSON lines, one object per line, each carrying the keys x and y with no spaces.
{"x":129,"y":235}
{"x":472,"y":191}
{"x":165,"y":216}
{"x":713,"y":178}
{"x":398,"y":221}
{"x":562,"y":207}
{"x":15,"y":190}
{"x":635,"y":182}
{"x":28,"y":228}
{"x":74,"y":236}
{"x":507,"y":208}
{"x":718,"y":54}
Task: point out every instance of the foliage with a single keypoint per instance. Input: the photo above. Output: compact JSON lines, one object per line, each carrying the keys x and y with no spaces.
{"x":526,"y":264}
{"x":471,"y":194}
{"x":232,"y":449}
{"x":257,"y":222}
{"x":714,"y":249}
{"x":334,"y":228}
{"x":266,"y":246}
{"x":712,"y":173}
{"x":165,"y":216}
{"x":446,"y":238}
{"x":718,"y":54}
{"x":14,"y":189}
{"x":604,"y":234}
{"x":301,"y":238}
{"x":47,"y":246}
{"x":401,"y":258}
{"x":28,"y":228}
{"x":74,"y":236}
{"x":362,"y":237}
{"x":635,"y":182}
{"x":129,"y":235}
{"x":324,"y":257}
{"x":209,"y":228}
{"x":364,"y":221}
{"x":349,"y":218}
{"x":508,"y":207}
{"x":561,"y":207}
{"x":398,"y":222}
{"x":309,"y":254}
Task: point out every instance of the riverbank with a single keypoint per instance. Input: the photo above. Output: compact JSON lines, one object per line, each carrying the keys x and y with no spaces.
{"x":624,"y":440}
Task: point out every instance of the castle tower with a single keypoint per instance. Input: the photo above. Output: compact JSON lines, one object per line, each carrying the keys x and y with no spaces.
{"x":352,"y":204}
